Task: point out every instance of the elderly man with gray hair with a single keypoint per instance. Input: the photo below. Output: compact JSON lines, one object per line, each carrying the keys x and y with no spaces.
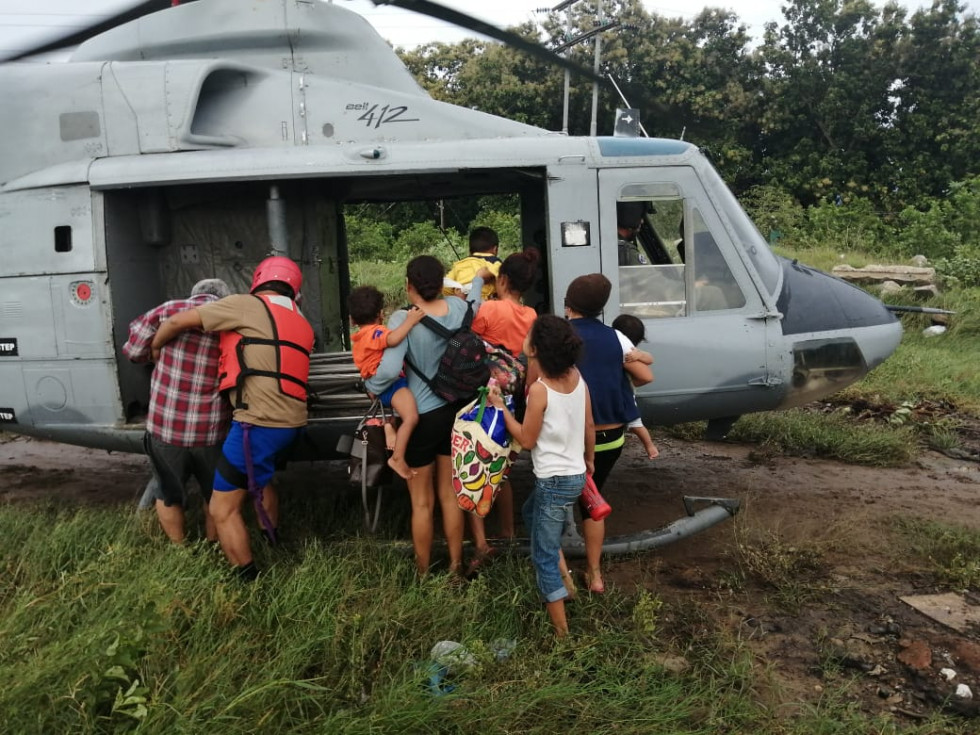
{"x":187,"y":417}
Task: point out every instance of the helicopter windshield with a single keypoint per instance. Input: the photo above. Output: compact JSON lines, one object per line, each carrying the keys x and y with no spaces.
{"x":744,"y":232}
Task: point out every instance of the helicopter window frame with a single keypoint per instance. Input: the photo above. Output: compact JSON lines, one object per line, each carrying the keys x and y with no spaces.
{"x":666,"y":276}
{"x":700,"y":279}
{"x":714,"y":283}
{"x":761,"y":264}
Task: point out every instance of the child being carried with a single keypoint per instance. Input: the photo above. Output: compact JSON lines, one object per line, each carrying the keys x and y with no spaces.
{"x":365,"y":305}
{"x":632,"y":329}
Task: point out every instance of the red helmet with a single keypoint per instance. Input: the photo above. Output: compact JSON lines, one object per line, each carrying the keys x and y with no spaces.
{"x":278,"y":268}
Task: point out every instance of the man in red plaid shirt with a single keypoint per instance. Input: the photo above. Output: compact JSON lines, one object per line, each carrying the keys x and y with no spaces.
{"x":187,"y":418}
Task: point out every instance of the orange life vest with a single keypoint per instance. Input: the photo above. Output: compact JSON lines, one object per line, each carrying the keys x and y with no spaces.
{"x":292,"y":337}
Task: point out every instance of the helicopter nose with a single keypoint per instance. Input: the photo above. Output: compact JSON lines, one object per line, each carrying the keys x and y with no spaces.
{"x":838,"y":332}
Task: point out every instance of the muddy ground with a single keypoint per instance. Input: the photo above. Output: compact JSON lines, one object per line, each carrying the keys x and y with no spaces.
{"x":830,"y":527}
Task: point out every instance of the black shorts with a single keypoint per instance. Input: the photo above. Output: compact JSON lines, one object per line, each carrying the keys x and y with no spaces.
{"x":604,"y":460}
{"x":432,"y":436}
{"x":174,"y":466}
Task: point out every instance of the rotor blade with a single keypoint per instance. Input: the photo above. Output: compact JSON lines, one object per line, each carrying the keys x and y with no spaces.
{"x":441,"y":12}
{"x":73,"y":39}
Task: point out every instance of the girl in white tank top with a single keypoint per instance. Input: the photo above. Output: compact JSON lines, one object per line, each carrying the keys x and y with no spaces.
{"x":560,"y":449}
{"x":558,"y":430}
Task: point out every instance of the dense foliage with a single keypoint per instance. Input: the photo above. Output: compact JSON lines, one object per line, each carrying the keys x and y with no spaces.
{"x":842,"y":103}
{"x":847,"y":125}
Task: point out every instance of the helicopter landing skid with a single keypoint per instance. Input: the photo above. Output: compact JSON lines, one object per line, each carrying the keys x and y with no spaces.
{"x":696,"y":520}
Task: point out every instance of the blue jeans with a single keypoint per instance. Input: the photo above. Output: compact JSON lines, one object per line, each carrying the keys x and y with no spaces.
{"x":544,"y":517}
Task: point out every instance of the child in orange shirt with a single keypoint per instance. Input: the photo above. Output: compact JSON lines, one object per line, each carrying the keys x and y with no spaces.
{"x":365,"y":305}
{"x":505,"y":322}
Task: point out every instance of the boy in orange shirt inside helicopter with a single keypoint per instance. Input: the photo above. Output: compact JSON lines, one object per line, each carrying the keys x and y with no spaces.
{"x":365,"y":305}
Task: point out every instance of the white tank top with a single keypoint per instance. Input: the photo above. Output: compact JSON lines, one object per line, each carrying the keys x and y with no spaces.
{"x":560,"y":449}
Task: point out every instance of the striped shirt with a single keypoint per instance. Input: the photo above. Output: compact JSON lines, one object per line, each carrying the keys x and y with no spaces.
{"x":186,"y":409}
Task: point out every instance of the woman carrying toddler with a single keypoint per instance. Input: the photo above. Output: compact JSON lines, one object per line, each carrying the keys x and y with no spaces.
{"x":368,"y":344}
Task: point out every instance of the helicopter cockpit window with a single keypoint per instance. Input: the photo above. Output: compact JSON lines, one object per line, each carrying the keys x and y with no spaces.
{"x":651,"y":269}
{"x":715,"y":288}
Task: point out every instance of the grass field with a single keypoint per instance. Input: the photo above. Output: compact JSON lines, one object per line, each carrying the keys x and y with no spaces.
{"x":105,"y":629}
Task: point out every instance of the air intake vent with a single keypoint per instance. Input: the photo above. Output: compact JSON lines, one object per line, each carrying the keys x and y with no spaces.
{"x":11,"y":311}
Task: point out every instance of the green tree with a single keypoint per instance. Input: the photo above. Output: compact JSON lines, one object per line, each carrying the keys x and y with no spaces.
{"x":843,"y":103}
{"x":825,"y":125}
{"x":368,"y":238}
{"x":937,"y":103}
{"x":491,"y":77}
{"x":697,"y":80}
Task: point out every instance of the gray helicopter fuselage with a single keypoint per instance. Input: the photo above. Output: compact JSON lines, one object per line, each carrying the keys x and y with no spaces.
{"x":195,"y":141}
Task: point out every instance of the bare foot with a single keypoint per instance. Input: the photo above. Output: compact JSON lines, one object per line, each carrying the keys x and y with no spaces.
{"x":480,"y":560}
{"x":594,"y":581}
{"x":399,"y":465}
{"x":390,"y":435}
{"x":652,"y":450}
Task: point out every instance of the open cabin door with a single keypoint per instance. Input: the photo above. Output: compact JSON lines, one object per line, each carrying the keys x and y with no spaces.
{"x":674,"y":265}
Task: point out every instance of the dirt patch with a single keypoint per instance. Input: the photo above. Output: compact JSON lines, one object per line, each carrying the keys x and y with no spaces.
{"x":829,"y":530}
{"x":32,"y":470}
{"x":831,"y":526}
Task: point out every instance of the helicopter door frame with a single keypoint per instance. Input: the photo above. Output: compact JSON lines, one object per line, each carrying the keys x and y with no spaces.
{"x":573,"y":216}
{"x":710,"y":362}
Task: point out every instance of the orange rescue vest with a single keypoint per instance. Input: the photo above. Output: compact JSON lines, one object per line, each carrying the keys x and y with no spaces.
{"x":292,"y":337}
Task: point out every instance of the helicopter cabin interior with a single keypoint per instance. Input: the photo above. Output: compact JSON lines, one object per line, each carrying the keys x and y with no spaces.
{"x":162,"y":240}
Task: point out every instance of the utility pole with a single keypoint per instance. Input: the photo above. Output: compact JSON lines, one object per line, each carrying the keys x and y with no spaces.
{"x":565,"y":5}
{"x":601,"y":26}
{"x":568,"y":74}
{"x":595,"y":85}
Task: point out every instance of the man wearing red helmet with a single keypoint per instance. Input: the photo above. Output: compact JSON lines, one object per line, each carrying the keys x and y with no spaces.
{"x":264,"y":367}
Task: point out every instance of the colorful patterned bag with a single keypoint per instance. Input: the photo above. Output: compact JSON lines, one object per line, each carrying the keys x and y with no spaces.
{"x":482,"y":453}
{"x":507,"y":370}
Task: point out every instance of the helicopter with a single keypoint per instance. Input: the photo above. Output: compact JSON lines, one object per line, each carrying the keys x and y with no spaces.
{"x":194,"y":141}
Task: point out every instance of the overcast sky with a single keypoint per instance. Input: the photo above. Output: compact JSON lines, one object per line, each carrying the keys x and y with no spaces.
{"x":23,"y":22}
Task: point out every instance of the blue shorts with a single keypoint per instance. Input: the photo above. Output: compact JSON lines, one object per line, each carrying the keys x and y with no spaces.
{"x":266,"y":444}
{"x":385,"y":397}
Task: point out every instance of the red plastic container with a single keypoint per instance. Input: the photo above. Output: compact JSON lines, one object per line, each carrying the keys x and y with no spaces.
{"x":594,"y":503}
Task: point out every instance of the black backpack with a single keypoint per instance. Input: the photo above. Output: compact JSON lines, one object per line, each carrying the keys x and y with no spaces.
{"x":463,"y":368}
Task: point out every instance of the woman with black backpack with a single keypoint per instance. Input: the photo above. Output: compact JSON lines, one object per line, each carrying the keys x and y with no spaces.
{"x":428,"y":450}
